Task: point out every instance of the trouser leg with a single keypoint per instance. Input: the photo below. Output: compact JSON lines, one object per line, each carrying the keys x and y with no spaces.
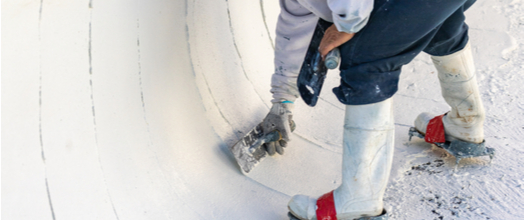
{"x":453,"y":59}
{"x":397,"y":31}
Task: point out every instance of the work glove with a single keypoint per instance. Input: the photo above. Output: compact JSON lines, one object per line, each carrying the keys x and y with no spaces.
{"x":279,"y":118}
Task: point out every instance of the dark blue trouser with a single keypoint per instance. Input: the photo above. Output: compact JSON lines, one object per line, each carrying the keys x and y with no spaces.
{"x":397,"y":31}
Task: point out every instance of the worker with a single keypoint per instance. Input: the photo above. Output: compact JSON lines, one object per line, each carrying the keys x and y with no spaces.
{"x":376,"y":38}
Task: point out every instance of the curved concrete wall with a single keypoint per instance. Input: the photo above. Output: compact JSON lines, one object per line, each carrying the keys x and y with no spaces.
{"x":124,"y":110}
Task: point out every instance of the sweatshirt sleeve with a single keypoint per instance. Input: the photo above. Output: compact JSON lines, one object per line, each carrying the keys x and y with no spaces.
{"x":350,"y":16}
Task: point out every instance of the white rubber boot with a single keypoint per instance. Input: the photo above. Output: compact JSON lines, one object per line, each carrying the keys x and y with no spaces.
{"x":367,"y":156}
{"x":465,"y":121}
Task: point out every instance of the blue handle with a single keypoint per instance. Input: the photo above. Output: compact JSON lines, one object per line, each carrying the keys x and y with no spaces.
{"x":332,"y":59}
{"x":272,"y":136}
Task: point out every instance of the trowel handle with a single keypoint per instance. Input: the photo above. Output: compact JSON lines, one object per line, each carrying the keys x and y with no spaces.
{"x":272,"y":136}
{"x":275,"y":135}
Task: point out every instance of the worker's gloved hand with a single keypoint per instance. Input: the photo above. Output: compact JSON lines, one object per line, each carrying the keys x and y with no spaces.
{"x":279,"y":118}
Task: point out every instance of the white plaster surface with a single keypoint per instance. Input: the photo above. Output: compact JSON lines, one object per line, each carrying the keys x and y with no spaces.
{"x":125,"y":110}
